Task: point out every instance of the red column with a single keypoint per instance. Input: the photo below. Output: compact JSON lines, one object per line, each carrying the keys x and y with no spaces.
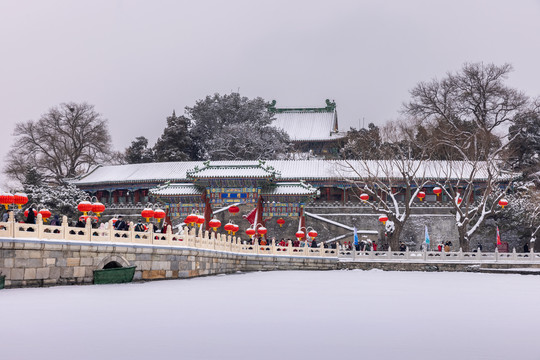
{"x":207,"y":211}
{"x":328,"y":194}
{"x":303,"y":220}
{"x":115,"y":196}
{"x":136,"y":196}
{"x":259,"y":211}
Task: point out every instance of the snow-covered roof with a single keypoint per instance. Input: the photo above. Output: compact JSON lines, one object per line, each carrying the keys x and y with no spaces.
{"x":290,"y":170}
{"x":308,"y":124}
{"x":176,"y":189}
{"x":233,"y":170}
{"x":290,"y":188}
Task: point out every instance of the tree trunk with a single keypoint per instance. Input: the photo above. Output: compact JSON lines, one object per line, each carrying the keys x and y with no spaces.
{"x":463,"y":239}
{"x":393,"y":239}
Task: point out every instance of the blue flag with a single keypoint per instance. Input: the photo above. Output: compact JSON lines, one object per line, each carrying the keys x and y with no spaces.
{"x":355,"y":237}
{"x":427,"y":237}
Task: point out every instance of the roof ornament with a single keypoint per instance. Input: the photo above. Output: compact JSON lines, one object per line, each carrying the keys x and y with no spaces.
{"x":271,"y":106}
{"x":330,"y":105}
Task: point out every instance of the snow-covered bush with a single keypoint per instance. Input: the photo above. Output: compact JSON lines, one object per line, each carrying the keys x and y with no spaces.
{"x":60,"y":200}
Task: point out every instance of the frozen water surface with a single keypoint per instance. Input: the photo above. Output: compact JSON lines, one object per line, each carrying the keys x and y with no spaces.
{"x":279,"y":315}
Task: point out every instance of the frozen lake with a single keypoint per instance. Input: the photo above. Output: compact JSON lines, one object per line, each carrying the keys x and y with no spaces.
{"x":279,"y":315}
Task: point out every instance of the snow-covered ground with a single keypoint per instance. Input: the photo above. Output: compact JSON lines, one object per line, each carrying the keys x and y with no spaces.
{"x":279,"y":315}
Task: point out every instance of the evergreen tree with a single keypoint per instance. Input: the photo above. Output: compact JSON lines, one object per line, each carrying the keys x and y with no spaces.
{"x":226,"y":127}
{"x":32,"y":177}
{"x":139,"y":152}
{"x":175,"y":144}
{"x":363,"y":143}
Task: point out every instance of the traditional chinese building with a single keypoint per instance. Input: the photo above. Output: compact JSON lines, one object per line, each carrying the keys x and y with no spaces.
{"x":313,"y":131}
{"x":213,"y":187}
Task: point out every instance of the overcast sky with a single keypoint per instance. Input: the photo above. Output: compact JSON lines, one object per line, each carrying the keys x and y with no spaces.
{"x":136,"y":61}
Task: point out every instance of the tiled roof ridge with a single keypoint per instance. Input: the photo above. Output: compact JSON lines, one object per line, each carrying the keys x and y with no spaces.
{"x":330,"y":107}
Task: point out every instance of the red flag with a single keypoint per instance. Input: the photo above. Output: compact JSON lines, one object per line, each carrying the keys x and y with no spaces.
{"x":251,"y":216}
{"x":498,"y":237}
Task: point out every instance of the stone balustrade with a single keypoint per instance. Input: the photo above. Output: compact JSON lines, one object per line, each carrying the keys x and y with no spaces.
{"x":438,"y":256}
{"x":189,"y":238}
{"x":205,"y":240}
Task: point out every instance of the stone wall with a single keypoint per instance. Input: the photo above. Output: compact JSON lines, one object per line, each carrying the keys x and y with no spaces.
{"x":45,"y":263}
{"x":440,"y":222}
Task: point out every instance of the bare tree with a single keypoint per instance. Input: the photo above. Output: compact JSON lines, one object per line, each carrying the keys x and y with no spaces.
{"x":393,"y":182}
{"x":64,"y":143}
{"x":474,"y":190}
{"x":470,"y":110}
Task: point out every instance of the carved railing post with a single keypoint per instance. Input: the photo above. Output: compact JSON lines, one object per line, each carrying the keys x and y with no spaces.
{"x":65,"y":231}
{"x":39,"y":225}
{"x":289,"y":247}
{"x":168,"y":234}
{"x":88,"y":229}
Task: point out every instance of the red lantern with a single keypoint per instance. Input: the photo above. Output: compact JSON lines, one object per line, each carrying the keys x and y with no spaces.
{"x":262,"y":230}
{"x":300,"y":234}
{"x":191,"y":219}
{"x":147,"y":214}
{"x":228,"y":227}
{"x":159,"y":214}
{"x":383,"y":219}
{"x":98,"y":208}
{"x":437,"y":191}
{"x":250,"y":232}
{"x":459,"y":200}
{"x":20,"y":199}
{"x":26,"y":213}
{"x":6,"y":199}
{"x":421,"y":195}
{"x":235,"y":228}
{"x":503,"y":202}
{"x":313,"y":234}
{"x":364,"y":197}
{"x":234,"y":209}
{"x":280,"y":221}
{"x":200,"y":220}
{"x":45,"y":214}
{"x":214,"y":224}
{"x":85,"y":207}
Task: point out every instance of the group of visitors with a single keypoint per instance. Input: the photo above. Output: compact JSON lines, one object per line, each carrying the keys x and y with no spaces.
{"x":294,"y":243}
{"x":446,"y":246}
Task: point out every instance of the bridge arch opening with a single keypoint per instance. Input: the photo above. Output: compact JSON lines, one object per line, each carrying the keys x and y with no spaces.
{"x":112,"y":262}
{"x":112,"y":265}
